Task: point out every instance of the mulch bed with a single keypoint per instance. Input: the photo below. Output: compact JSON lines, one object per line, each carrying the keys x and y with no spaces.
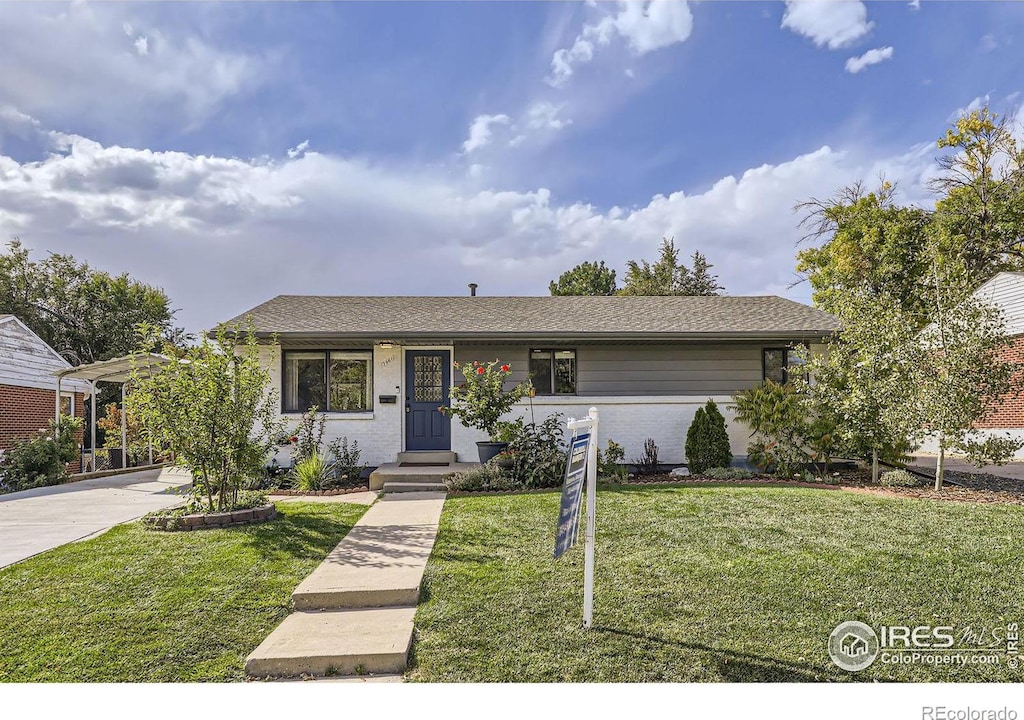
{"x":321,"y":493}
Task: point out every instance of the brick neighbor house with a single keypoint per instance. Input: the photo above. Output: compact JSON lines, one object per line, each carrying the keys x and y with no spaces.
{"x":28,"y":386}
{"x":1006,"y":292}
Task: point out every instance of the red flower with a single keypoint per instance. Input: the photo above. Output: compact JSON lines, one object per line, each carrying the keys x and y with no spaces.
{"x":479,"y":371}
{"x":293,"y":438}
{"x":505,"y":368}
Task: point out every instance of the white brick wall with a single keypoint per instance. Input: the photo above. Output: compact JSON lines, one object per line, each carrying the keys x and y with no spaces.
{"x":628,"y":421}
{"x":379,"y":432}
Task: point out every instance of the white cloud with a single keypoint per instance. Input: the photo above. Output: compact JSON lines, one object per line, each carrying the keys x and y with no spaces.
{"x":545,"y":116}
{"x":645,"y":26}
{"x":298,"y":149}
{"x":480,"y":131}
{"x":916,"y":4}
{"x":223,"y":234}
{"x":98,"y":66}
{"x":872,"y":57}
{"x":835,"y":23}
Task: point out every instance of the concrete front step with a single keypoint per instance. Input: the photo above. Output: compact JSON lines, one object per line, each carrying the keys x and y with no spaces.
{"x":394,"y":472}
{"x":381,"y":560}
{"x":407,"y":487}
{"x":340,"y":642}
{"x":427,"y":456}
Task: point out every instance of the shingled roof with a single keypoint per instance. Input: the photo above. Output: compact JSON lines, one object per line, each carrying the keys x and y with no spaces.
{"x":383,"y":317}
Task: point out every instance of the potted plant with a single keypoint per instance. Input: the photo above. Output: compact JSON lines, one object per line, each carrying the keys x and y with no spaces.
{"x":482,"y":399}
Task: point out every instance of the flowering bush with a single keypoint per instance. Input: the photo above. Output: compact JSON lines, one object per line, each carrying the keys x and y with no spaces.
{"x":482,"y":399}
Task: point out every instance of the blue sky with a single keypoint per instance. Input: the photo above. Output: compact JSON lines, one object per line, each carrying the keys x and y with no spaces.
{"x":231,"y":152}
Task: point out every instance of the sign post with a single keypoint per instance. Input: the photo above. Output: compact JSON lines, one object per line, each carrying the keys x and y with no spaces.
{"x":581,"y":469}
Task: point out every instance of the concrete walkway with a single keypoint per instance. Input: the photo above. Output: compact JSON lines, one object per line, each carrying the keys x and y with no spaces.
{"x":34,"y":521}
{"x":354,"y":613}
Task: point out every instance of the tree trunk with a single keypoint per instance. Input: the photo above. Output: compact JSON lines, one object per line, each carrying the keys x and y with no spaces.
{"x":874,"y":466}
{"x":940,"y":466}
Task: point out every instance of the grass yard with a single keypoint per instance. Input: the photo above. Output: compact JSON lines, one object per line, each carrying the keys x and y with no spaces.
{"x":140,"y":606}
{"x":711,"y":584}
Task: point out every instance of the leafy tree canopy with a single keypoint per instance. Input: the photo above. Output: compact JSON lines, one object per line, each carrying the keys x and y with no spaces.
{"x":85,"y":314}
{"x":668,"y":276}
{"x":587,"y":278}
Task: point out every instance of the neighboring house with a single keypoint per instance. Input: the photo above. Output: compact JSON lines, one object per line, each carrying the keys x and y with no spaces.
{"x":28,"y":387}
{"x":381,"y":366}
{"x":1006,"y":292}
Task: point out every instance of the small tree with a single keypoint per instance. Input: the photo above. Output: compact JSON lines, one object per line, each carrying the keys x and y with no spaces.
{"x":960,"y":370}
{"x":482,"y":400}
{"x":863,"y":382}
{"x":213,"y":410}
{"x":707,"y":442}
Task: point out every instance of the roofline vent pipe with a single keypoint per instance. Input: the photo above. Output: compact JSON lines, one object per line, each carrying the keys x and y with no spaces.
{"x":472,"y":289}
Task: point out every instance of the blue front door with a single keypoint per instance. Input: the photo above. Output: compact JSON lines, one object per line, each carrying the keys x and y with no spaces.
{"x":427,"y":379}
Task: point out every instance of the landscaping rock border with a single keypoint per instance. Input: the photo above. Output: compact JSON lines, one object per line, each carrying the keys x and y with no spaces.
{"x":321,"y":493}
{"x":206,"y":521}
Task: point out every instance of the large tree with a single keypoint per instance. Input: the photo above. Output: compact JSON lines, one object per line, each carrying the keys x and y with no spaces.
{"x":668,"y":276}
{"x":872,"y":249}
{"x":85,"y":314}
{"x":871,"y":244}
{"x":587,"y":278}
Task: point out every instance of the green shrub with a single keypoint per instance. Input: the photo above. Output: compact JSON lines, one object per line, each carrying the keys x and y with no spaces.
{"x":345,"y":466}
{"x":310,"y":474}
{"x":42,"y":460}
{"x":707,"y":442}
{"x":648,"y":463}
{"x":779,"y":418}
{"x":610,"y":463}
{"x":538,"y":451}
{"x":900,"y":478}
{"x":728,"y":473}
{"x":309,"y":435}
{"x":485,"y":477}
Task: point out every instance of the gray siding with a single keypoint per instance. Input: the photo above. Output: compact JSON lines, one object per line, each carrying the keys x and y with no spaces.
{"x":623,"y":370}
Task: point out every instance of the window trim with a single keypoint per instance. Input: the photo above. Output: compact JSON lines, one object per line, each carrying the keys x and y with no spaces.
{"x":71,"y":402}
{"x":327,"y":378}
{"x":554,"y":391}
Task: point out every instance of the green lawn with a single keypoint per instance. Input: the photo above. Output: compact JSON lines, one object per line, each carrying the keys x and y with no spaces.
{"x":140,"y":606}
{"x":711,"y":584}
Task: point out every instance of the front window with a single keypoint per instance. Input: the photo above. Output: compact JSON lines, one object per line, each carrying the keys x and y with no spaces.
{"x":777,"y":362}
{"x":334,"y":381}
{"x":553,"y":372}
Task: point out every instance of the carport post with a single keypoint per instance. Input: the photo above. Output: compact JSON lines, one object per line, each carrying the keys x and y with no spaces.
{"x":56,"y":402}
{"x":92,"y":428}
{"x":124,"y":429}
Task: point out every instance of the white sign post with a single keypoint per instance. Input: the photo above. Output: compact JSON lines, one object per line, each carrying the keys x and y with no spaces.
{"x":589,"y":425}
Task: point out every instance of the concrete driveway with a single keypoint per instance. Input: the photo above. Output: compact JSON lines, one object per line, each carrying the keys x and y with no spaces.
{"x":34,"y":521}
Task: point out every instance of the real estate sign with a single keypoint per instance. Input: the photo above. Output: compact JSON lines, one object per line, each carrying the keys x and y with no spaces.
{"x":572,"y":493}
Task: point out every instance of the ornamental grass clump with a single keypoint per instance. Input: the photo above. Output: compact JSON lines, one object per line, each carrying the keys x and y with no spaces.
{"x":481,"y":400}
